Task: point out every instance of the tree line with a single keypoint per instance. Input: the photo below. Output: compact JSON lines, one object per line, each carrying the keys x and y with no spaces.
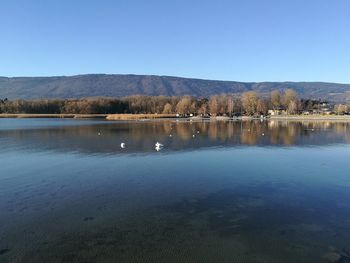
{"x":249,"y":103}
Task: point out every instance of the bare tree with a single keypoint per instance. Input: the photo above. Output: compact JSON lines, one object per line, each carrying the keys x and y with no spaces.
{"x":292,"y":107}
{"x":230,"y":105}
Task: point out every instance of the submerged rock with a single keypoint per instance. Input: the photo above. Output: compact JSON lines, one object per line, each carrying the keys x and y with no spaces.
{"x":346,"y":251}
{"x":332,"y":248}
{"x":332,"y":257}
{"x":4,"y":251}
{"x":344,"y":260}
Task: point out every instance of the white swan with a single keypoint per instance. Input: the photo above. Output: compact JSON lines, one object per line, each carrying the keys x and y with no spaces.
{"x":158,"y":145}
{"x":158,"y":148}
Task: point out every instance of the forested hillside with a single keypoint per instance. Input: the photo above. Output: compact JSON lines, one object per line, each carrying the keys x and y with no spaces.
{"x":82,"y":86}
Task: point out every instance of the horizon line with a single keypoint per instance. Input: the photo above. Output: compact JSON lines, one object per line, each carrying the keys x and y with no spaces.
{"x":169,"y":76}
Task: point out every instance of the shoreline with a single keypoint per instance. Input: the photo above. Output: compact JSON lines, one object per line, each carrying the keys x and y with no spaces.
{"x":125,"y":117}
{"x":111,"y":117}
{"x":311,"y":118}
{"x":52,"y":116}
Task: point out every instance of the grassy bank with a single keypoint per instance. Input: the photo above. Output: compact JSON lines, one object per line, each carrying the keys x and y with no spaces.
{"x":138,"y":116}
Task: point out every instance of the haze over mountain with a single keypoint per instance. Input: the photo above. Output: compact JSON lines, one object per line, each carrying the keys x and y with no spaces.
{"x":105,"y":85}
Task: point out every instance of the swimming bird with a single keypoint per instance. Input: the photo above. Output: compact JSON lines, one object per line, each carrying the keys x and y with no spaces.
{"x":158,"y":144}
{"x":158,"y":148}
{"x":122,"y":145}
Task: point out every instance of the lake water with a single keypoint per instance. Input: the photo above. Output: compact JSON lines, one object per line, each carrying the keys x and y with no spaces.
{"x":216,"y":192}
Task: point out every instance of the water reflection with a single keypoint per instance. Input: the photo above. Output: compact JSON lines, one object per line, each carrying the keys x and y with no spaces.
{"x":140,"y":137}
{"x":201,"y":203}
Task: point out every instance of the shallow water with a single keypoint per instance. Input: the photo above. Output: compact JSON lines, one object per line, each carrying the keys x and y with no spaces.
{"x":217,"y":192}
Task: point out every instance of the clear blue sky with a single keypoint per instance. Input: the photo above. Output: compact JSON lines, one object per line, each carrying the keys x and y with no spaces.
{"x":244,"y":40}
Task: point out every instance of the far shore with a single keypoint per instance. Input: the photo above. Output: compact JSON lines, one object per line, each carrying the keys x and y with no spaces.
{"x":89,"y":116}
{"x":63,"y":116}
{"x":125,"y":117}
{"x":311,"y":117}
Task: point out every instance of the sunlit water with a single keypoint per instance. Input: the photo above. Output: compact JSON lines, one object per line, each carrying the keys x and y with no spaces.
{"x":217,"y":192}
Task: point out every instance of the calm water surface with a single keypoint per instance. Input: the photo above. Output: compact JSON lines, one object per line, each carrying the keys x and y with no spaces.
{"x":217,"y":192}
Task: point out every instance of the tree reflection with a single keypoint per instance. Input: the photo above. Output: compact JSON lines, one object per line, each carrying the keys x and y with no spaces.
{"x":140,"y":136}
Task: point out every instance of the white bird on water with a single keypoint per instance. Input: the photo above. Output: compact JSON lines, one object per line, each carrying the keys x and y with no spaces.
{"x":158,"y":148}
{"x":158,"y":145}
{"x":122,"y":145}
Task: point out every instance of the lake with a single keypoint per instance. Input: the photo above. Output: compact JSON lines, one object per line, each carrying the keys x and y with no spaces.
{"x":252,"y":191}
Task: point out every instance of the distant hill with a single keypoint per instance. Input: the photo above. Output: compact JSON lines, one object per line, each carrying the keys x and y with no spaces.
{"x":92,"y":85}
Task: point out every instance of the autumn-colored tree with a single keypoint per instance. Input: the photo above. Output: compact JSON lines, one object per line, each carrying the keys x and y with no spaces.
{"x":291,"y":101}
{"x":193,"y":107}
{"x":203,"y":110}
{"x":289,"y":95}
{"x":275,"y":99}
{"x":340,"y":109}
{"x":222,"y":104}
{"x":249,"y":102}
{"x":184,"y":105}
{"x":262,"y":106}
{"x":167,"y":108}
{"x":214,"y":105}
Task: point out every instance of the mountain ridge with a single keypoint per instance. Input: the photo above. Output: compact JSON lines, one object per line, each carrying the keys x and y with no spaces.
{"x":120,"y":85}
